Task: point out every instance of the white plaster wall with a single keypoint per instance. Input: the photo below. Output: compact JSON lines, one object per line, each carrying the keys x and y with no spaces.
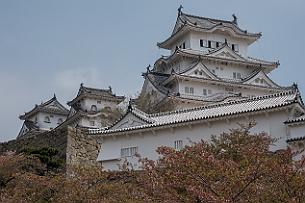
{"x":226,"y":71}
{"x":87,"y":103}
{"x":199,"y":86}
{"x":186,"y":39}
{"x":47,"y":126}
{"x":220,"y":37}
{"x":147,"y":142}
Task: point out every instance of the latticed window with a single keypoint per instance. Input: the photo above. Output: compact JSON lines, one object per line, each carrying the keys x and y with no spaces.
{"x":187,"y":90}
{"x":191,"y":90}
{"x":129,"y":152}
{"x":178,"y":145}
{"x":204,"y":92}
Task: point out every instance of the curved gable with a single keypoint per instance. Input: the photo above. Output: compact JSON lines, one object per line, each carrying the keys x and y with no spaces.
{"x":226,"y":52}
{"x":200,"y":70}
{"x":261,"y":79}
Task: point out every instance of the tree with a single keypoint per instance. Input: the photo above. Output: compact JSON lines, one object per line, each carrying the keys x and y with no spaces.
{"x":234,"y":167}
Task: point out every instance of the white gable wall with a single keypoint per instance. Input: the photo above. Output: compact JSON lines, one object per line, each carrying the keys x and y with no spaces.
{"x":147,"y":142}
{"x":87,"y":103}
{"x":44,"y":125}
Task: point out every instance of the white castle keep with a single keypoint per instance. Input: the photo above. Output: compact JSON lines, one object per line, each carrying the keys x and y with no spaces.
{"x":214,"y":86}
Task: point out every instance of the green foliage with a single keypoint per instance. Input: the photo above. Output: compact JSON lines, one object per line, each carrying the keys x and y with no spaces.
{"x":46,"y":155}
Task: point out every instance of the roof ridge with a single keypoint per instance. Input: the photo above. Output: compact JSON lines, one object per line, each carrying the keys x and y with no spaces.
{"x":209,"y":106}
{"x":206,"y":18}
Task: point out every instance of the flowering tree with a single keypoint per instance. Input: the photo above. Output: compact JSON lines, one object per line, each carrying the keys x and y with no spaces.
{"x":234,"y":167}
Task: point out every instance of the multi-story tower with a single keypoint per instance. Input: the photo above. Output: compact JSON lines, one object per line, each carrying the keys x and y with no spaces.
{"x":208,"y":63}
{"x":88,"y":107}
{"x":43,"y":117}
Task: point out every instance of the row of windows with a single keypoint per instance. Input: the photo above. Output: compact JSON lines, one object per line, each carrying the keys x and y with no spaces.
{"x":190,"y":90}
{"x":132,"y":151}
{"x":48,"y":120}
{"x":216,"y":44}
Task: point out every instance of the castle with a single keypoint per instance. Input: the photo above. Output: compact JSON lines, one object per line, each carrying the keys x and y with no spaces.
{"x":209,"y":84}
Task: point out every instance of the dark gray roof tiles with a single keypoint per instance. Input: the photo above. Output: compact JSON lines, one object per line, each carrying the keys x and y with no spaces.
{"x":214,"y":111}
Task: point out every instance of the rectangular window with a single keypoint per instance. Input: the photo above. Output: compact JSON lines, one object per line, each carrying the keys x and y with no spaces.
{"x":209,"y":44}
{"x":235,"y":47}
{"x":217,"y":44}
{"x":183,"y":45}
{"x":236,"y":75}
{"x":99,"y":102}
{"x":191,"y":90}
{"x":187,"y":90}
{"x":129,"y":152}
{"x":203,"y":43}
{"x":178,"y":145}
{"x":204,"y":92}
{"x":209,"y":91}
{"x":214,"y":44}
{"x":92,"y":123}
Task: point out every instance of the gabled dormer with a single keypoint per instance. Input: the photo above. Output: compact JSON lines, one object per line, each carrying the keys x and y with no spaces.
{"x":132,"y":118}
{"x":199,"y":70}
{"x":260,"y":78}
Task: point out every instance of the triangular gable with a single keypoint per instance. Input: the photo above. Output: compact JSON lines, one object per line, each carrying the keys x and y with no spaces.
{"x":199,"y":70}
{"x":226,"y":52}
{"x":128,"y":121}
{"x":261,"y":79}
{"x":55,"y":105}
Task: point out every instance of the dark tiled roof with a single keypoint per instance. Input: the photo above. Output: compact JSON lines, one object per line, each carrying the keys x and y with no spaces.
{"x":187,"y":21}
{"x":296,"y":120}
{"x":103,"y":94}
{"x":50,"y":106}
{"x":214,"y":111}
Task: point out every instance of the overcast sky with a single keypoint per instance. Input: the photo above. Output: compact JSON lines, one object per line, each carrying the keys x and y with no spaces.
{"x":49,"y":47}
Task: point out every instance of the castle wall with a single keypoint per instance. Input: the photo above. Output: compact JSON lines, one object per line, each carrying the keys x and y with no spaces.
{"x":82,"y":149}
{"x":147,"y":142}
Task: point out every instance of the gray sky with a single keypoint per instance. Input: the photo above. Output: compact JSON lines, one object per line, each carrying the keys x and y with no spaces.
{"x":51,"y":47}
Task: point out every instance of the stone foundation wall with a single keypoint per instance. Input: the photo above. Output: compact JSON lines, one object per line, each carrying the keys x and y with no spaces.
{"x":82,"y":149}
{"x":74,"y":145}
